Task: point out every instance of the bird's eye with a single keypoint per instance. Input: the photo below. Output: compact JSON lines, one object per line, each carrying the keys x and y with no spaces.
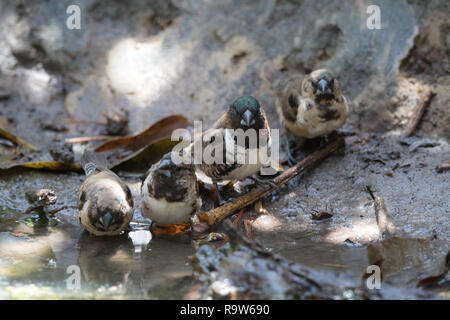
{"x":292,"y":102}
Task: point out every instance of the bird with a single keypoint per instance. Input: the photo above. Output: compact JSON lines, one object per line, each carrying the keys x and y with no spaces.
{"x":244,"y":113}
{"x":170,"y":193}
{"x":105,"y":202}
{"x":312,"y":105}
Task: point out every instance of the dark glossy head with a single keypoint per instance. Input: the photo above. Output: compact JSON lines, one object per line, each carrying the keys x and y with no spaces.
{"x":245,"y":113}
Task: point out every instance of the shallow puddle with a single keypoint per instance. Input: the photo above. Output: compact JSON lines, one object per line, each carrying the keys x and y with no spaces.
{"x":40,"y":256}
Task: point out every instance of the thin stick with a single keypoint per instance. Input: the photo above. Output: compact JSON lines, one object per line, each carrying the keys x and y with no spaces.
{"x":88,"y":139}
{"x":445,"y":165}
{"x":218,"y":214}
{"x":422,"y":104}
{"x":384,"y":222}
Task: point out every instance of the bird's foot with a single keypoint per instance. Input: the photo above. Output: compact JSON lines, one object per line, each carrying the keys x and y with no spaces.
{"x":224,"y":190}
{"x":290,"y":158}
{"x":263,"y":181}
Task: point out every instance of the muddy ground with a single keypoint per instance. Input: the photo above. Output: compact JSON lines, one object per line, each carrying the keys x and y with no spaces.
{"x":193,"y":58}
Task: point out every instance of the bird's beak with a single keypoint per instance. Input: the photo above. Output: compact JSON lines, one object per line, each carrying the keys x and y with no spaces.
{"x":247,"y":119}
{"x":323,"y":85}
{"x":165,"y":172}
{"x":106,"y":220}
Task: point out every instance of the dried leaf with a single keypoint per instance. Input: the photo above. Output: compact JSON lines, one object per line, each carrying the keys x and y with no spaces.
{"x":16,"y":140}
{"x":143,"y":157}
{"x":160,"y":129}
{"x":144,"y":148}
{"x":50,"y":165}
{"x":43,"y":165}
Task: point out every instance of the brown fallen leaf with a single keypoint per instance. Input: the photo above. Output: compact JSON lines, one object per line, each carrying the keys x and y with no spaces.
{"x":141,"y":158}
{"x":160,"y":129}
{"x":146,"y":147}
{"x":34,"y":159}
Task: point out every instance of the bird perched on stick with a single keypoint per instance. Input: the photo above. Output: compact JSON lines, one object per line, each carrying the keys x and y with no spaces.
{"x":170,"y":193}
{"x":236,"y":152}
{"x":244,"y":113}
{"x":311,"y":106}
{"x":105,"y":203}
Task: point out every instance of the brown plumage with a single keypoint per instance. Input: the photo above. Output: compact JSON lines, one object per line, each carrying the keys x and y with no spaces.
{"x":105,"y":203}
{"x":244,"y":113}
{"x":170,"y":192}
{"x":311,"y":106}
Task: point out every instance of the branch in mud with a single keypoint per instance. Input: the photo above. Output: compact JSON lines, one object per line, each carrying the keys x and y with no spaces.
{"x":422,"y":104}
{"x":203,"y":221}
{"x":384,"y":222}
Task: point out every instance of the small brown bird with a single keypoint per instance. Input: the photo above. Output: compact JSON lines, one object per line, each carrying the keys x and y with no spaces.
{"x":313,"y":105}
{"x":105,"y":203}
{"x":244,"y":113}
{"x":170,"y":193}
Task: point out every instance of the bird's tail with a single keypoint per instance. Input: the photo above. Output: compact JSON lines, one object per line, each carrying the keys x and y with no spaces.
{"x":92,"y":161}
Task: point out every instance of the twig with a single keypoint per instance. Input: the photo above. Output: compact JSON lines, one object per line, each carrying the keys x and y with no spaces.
{"x":218,"y":214}
{"x":384,"y":222}
{"x":443,"y":166}
{"x":422,"y":104}
{"x":88,"y":139}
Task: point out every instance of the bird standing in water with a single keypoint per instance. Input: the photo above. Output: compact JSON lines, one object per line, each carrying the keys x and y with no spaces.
{"x":170,"y":195}
{"x":105,"y":202}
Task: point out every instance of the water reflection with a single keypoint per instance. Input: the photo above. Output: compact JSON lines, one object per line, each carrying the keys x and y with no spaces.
{"x":34,"y":259}
{"x":105,"y":261}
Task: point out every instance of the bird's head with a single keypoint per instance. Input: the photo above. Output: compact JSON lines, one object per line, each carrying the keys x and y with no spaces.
{"x":170,"y":180}
{"x":320,"y":85}
{"x":107,"y":207}
{"x":246,"y":113}
{"x":107,"y":219}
